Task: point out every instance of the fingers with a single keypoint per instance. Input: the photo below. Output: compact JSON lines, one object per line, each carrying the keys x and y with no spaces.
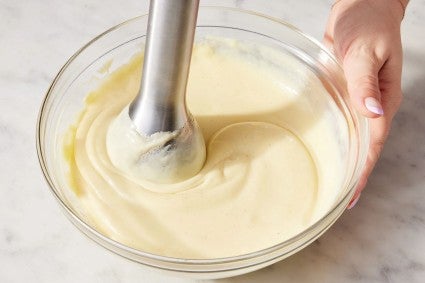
{"x":379,"y":129}
{"x":361,"y":68}
{"x":389,"y":80}
{"x":391,"y":96}
{"x":390,"y":85}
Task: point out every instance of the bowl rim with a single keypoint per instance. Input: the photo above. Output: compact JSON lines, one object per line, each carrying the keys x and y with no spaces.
{"x":80,"y":223}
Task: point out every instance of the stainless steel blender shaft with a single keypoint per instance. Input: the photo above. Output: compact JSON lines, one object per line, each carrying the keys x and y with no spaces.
{"x":160,"y":105}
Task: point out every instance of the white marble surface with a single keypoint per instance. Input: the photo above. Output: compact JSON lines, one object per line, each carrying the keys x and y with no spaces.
{"x":381,"y":240}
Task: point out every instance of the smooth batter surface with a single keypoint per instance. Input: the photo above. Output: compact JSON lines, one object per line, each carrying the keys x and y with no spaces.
{"x":271,"y":170}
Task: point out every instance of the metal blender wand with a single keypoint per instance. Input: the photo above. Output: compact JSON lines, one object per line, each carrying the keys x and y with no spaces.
{"x":160,"y":105}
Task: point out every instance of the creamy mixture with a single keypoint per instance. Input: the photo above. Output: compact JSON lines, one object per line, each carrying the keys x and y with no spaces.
{"x":163,"y":157}
{"x":273,"y":166}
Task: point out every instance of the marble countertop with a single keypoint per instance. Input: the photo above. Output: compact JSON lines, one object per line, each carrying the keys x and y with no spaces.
{"x":381,"y":240}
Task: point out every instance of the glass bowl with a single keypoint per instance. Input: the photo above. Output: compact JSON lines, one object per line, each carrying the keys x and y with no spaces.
{"x":86,"y":69}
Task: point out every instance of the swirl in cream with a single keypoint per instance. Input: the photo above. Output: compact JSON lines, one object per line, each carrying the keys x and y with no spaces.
{"x":271,"y":170}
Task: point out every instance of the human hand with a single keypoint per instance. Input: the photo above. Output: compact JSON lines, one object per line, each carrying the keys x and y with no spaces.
{"x":365,"y":37}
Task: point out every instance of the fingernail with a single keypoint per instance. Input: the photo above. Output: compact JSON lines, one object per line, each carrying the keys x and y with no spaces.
{"x":373,"y":105}
{"x":353,"y":202}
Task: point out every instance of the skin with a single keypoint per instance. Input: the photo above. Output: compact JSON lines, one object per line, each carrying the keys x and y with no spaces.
{"x":365,"y":36}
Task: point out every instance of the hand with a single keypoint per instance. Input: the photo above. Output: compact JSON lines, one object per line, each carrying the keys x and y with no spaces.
{"x":365,"y":36}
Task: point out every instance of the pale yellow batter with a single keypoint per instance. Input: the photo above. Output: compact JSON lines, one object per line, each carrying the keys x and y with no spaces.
{"x":272,"y":165}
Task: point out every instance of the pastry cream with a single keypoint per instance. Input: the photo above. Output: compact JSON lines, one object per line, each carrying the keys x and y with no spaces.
{"x":164,"y":157}
{"x":272,"y":166}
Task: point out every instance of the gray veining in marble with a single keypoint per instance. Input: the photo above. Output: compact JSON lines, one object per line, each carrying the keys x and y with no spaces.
{"x":381,"y":240}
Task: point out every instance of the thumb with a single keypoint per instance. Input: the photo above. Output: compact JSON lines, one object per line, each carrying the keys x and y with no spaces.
{"x":361,"y":70}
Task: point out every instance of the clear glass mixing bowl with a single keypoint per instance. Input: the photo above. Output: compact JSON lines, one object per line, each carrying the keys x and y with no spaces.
{"x":84,"y":70}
